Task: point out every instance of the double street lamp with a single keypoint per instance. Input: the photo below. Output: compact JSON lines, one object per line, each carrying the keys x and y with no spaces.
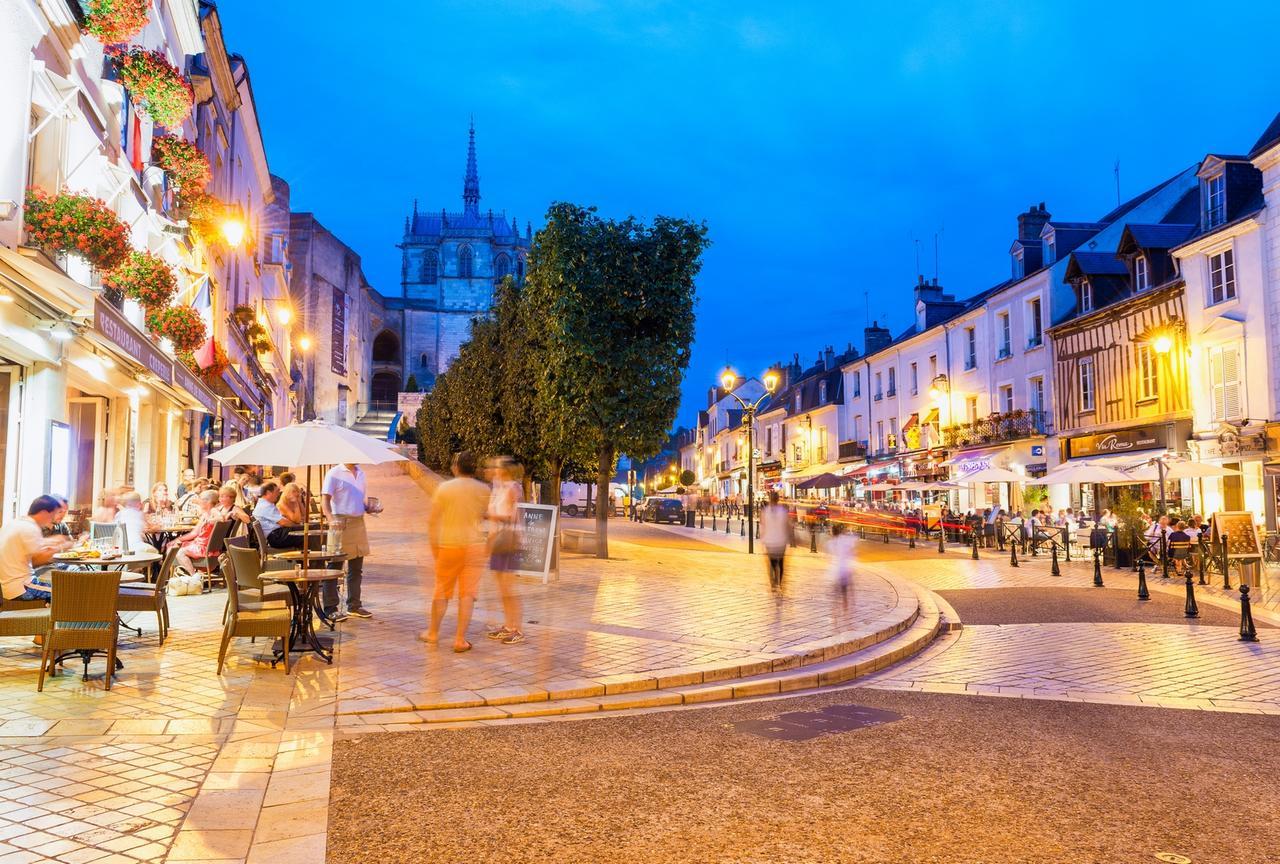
{"x":728,"y":380}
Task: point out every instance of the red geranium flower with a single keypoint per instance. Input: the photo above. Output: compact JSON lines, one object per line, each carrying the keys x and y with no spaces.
{"x":114,"y":20}
{"x":79,"y":224}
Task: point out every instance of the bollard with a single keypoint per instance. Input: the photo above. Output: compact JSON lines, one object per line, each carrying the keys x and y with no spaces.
{"x":1226,"y":573}
{"x":702,"y":521}
{"x":975,"y":546}
{"x":726,"y":523}
{"x":1013,"y":553}
{"x":1143,"y":593}
{"x":1053,"y":568}
{"x":742,"y":527}
{"x":1097,"y":568}
{"x":886,"y":538}
{"x":1248,"y":632}
{"x":1202,"y":556}
{"x":911,"y":540}
{"x":1164,"y":555}
{"x":1192,"y":610}
{"x":713,"y":520}
{"x":1066,"y":542}
{"x":942,"y":535}
{"x":813,"y":540}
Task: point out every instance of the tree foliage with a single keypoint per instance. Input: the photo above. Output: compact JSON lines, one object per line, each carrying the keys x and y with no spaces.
{"x":612,"y":306}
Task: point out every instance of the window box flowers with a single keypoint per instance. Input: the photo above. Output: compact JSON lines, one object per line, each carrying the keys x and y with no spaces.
{"x":187,"y":167}
{"x":181,"y":325}
{"x":76,"y":225}
{"x":114,"y":20}
{"x":156,"y":86}
{"x":144,"y":277}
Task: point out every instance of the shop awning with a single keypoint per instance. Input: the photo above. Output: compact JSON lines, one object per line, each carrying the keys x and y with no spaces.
{"x":912,"y":422}
{"x":813,"y":471}
{"x":861,"y":471}
{"x":55,"y":289}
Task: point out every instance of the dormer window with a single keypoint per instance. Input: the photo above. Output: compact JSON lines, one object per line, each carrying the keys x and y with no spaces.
{"x":1019,"y":263}
{"x":1050,"y":248}
{"x":797,"y":401}
{"x":1215,"y":200}
{"x":1140,"y":279}
{"x":822,"y":392}
{"x":1086,"y":296}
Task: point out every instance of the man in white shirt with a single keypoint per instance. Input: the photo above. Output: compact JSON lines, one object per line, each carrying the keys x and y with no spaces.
{"x":130,"y":516}
{"x":344,"y":501}
{"x":23,"y":545}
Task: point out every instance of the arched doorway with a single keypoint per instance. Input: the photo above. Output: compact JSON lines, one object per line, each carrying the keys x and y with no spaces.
{"x":386,"y":348}
{"x":385,"y":390}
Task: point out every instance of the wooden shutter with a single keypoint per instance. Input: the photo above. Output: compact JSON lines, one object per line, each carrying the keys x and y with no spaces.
{"x":1231,"y":383}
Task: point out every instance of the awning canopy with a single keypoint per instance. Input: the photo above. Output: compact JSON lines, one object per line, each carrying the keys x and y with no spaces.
{"x":823,"y":481}
{"x":62,"y":292}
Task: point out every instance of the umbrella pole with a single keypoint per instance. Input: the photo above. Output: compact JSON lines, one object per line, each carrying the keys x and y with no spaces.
{"x":306,"y":525}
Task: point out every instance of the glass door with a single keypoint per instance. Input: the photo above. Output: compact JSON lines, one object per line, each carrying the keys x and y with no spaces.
{"x":87,"y":417}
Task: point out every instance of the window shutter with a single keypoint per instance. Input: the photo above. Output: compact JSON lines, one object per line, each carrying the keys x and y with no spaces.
{"x":1216,"y":384}
{"x":1230,"y":384}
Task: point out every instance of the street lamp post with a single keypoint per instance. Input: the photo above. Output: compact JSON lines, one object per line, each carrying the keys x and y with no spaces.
{"x":728,"y":379}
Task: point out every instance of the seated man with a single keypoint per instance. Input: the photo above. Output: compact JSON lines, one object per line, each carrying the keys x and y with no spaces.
{"x":131,"y":517}
{"x":1180,"y":544}
{"x":22,"y":546}
{"x":275,"y":525}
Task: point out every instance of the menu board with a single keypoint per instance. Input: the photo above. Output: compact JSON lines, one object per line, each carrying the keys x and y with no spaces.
{"x":537,"y":539}
{"x":1242,"y":536}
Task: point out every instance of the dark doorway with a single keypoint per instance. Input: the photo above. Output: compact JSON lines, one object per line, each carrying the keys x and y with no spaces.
{"x":386,"y":387}
{"x":386,"y":348}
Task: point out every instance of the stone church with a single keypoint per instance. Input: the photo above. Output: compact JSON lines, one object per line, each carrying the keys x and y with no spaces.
{"x":451,"y":263}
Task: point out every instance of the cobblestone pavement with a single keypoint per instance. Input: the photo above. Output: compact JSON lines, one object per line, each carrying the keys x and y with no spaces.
{"x":660,"y":602}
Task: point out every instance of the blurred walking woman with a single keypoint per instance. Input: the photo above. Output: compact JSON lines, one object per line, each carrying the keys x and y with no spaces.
{"x":504,"y":545}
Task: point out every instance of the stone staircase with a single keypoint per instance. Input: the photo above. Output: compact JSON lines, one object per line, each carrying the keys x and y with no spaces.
{"x":376,"y":424}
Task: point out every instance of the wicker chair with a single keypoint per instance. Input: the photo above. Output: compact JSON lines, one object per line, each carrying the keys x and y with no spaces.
{"x":82,"y":617}
{"x":24,"y":621}
{"x":146,"y":597}
{"x":266,"y":622}
{"x":210,"y":565}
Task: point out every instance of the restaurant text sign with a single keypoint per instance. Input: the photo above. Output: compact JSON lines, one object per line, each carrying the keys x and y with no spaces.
{"x":189,"y":382}
{"x":537,"y":539}
{"x":1122,"y":441}
{"x":119,"y":332}
{"x":338,"y":336}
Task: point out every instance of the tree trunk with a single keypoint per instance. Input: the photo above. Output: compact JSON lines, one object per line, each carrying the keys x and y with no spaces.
{"x":551,"y":489}
{"x":603,"y":477}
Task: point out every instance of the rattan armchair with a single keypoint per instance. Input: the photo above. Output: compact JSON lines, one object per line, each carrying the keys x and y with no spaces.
{"x":24,"y":621}
{"x":82,"y":618}
{"x":147,"y":597}
{"x":246,"y":568}
{"x":268,"y":623}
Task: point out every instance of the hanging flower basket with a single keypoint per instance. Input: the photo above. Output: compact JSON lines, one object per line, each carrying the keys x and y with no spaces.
{"x":187,"y":167}
{"x":114,"y":20}
{"x":243,"y":315}
{"x":156,"y":86}
{"x":181,"y":325}
{"x":202,"y":212}
{"x":77,"y":225}
{"x":144,"y":277}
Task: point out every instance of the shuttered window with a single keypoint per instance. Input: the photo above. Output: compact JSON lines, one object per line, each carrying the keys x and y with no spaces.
{"x":1224,"y":378}
{"x":1222,"y":276}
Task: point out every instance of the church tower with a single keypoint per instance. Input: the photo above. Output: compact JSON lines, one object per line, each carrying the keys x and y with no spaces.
{"x":450,"y":265}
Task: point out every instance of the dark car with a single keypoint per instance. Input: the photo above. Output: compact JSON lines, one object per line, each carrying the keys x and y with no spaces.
{"x":663,"y":510}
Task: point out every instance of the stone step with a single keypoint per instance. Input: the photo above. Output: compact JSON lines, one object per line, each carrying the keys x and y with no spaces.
{"x":836,"y":664}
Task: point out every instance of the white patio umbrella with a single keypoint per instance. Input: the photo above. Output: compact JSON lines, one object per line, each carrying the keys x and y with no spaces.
{"x":1188,"y":470}
{"x":1084,"y":472}
{"x":993,"y":475}
{"x":301,"y":445}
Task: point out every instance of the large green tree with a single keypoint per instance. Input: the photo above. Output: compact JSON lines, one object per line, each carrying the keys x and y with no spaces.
{"x":612,"y":307}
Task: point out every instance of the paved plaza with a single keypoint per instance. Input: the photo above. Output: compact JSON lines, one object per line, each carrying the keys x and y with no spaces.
{"x":179,"y":764}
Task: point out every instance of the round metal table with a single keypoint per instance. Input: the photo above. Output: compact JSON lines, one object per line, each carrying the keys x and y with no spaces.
{"x":305,"y":587}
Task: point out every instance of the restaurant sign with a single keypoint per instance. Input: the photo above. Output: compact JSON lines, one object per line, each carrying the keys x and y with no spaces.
{"x":537,"y":539}
{"x":1121,"y":441}
{"x":184,"y":378}
{"x":117,"y":330}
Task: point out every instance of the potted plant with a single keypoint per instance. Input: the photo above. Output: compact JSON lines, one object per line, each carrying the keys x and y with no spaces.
{"x":187,"y":167}
{"x":1128,"y":527}
{"x":76,"y":224}
{"x":155,"y":85}
{"x":181,"y":325}
{"x":144,"y":277}
{"x":243,"y":316}
{"x":113,"y":21}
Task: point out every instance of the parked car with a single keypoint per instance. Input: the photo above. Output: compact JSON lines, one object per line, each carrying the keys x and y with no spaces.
{"x":662,"y":510}
{"x":582,"y":509}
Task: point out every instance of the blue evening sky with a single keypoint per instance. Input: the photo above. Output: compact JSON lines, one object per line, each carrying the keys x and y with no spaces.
{"x":819,"y":141}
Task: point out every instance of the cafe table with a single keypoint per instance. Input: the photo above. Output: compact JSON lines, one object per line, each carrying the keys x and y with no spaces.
{"x":315,"y":556}
{"x":158,"y":533}
{"x":304,"y":585}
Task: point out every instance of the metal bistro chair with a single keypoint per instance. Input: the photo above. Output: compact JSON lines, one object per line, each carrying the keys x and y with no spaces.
{"x":103,"y":530}
{"x":210,"y":565}
{"x":82,"y":620}
{"x":1180,"y":556}
{"x":147,"y":597}
{"x":274,"y":622}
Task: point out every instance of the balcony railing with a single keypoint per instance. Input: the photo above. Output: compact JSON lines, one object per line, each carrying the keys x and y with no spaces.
{"x":852,"y":450}
{"x":996,"y":428}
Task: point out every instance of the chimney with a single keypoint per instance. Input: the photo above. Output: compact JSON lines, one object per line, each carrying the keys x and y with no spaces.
{"x":829,"y":358}
{"x":875,"y":337}
{"x":928,"y":291}
{"x":1030,"y":224}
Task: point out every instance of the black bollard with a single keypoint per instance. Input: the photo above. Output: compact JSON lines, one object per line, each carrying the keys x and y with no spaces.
{"x":1053,"y":568}
{"x":1202,"y":556}
{"x":1164,"y":555}
{"x":1248,"y":632}
{"x":813,"y":540}
{"x":713,"y":520}
{"x":1066,"y":542}
{"x":942,"y":535}
{"x":911,"y":540}
{"x":742,"y":527}
{"x":1013,"y":553}
{"x":975,"y":546}
{"x":1097,"y":568}
{"x":885,"y":535}
{"x":726,"y":523}
{"x":1143,"y":592}
{"x":1192,"y":610}
{"x":1226,"y":573}
{"x":702,"y":522}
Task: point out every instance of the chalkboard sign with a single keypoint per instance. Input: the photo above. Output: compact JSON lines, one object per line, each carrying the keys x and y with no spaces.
{"x":1242,"y":537}
{"x":537,"y":539}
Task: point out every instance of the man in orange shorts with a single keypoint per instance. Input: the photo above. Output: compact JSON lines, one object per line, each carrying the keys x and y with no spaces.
{"x":454,"y":528}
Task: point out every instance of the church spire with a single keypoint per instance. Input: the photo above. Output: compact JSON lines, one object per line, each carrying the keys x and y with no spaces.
{"x":471,"y":186}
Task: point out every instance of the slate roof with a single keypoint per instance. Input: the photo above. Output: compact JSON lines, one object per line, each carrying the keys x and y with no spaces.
{"x":1155,"y":236}
{"x":1270,"y":138}
{"x":1095,"y":264}
{"x":437,"y":224}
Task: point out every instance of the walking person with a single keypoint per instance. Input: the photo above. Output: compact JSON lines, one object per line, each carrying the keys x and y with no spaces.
{"x":841,"y":550}
{"x":775,"y":534}
{"x":454,"y":529}
{"x":504,"y":546}
{"x":344,"y":500}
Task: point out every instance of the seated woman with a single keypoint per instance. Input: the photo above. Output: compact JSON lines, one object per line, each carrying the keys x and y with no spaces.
{"x":188,"y":502}
{"x":195,"y":543}
{"x":159,"y":502}
{"x":227,"y":507}
{"x":291,"y":505}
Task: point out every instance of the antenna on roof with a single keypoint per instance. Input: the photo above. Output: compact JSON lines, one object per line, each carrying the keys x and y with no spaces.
{"x":1117,"y":170}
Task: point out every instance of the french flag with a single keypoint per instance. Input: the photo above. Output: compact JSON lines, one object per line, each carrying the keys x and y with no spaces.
{"x":131,"y":133}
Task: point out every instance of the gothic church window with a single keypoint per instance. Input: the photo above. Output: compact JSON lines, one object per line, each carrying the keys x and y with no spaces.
{"x":430,"y":267}
{"x":466,"y":261}
{"x":501,"y":267}
{"x":425,"y":361}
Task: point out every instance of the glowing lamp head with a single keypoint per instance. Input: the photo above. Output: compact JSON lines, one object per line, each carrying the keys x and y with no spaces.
{"x":1162,"y":344}
{"x":233,"y":231}
{"x":304,"y":342}
{"x":935,"y":394}
{"x":727,"y":380}
{"x":284,"y":315}
{"x":770,"y":381}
